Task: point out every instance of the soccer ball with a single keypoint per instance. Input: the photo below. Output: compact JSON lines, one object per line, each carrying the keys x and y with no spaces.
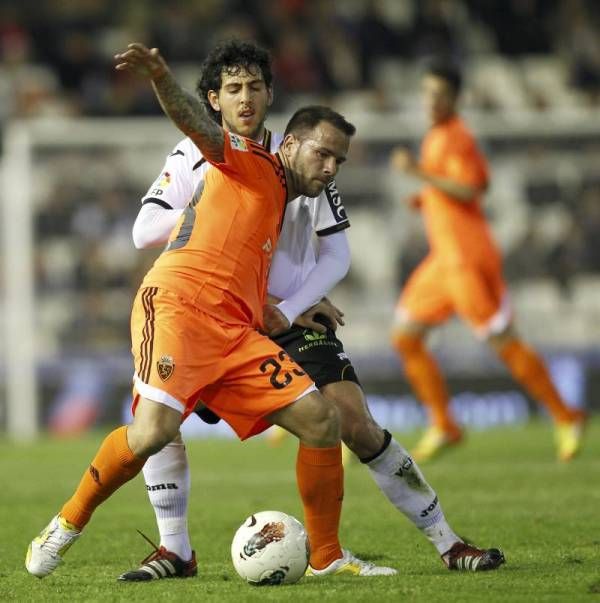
{"x":270,"y":548}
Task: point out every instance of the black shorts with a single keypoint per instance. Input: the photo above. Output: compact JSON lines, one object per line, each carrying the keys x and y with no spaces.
{"x":322,"y":356}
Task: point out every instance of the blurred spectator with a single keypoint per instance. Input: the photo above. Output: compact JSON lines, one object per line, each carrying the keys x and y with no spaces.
{"x":438,"y":28}
{"x":521,"y":27}
{"x":59,"y":56}
{"x":589,"y":221}
{"x":528,"y":257}
{"x":564,"y":259}
{"x":582,"y":44}
{"x":297,"y":66}
{"x":378,"y":37}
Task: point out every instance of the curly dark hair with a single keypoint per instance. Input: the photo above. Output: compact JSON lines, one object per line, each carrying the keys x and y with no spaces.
{"x":231,"y":56}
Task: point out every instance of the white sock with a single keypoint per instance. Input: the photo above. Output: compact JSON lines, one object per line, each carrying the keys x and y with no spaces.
{"x":402,"y":482}
{"x":167,"y":476}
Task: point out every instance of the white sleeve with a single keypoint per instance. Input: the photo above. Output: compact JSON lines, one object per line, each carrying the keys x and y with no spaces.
{"x":177,"y":181}
{"x":331,"y":267}
{"x":153,"y":225}
{"x":177,"y":184}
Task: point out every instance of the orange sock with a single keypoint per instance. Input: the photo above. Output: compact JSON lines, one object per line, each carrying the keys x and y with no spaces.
{"x":529,"y":370}
{"x":425,"y":377}
{"x":320,"y":479}
{"x":113,"y":465}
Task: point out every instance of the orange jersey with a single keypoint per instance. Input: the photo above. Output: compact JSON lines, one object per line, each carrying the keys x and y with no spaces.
{"x":219,"y":253}
{"x":458,"y":232}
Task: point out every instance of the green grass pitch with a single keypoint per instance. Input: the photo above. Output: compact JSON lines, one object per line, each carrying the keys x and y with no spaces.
{"x":501,"y":488}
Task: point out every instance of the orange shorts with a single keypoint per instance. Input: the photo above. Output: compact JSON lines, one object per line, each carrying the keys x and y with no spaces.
{"x":183,"y":355}
{"x":435,"y":291}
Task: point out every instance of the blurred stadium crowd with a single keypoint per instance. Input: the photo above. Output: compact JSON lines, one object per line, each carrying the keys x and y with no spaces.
{"x":537,"y":58}
{"x":57,"y":54}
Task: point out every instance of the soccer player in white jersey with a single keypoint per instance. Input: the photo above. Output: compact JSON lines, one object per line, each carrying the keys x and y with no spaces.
{"x":300,"y":277}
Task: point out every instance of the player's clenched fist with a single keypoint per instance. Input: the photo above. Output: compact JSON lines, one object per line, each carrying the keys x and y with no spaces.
{"x":143,"y":61}
{"x":322,"y":312}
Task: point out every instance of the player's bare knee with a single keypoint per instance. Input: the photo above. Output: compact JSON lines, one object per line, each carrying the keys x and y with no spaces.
{"x":146,"y":440}
{"x":153,"y":427}
{"x":312,"y":418}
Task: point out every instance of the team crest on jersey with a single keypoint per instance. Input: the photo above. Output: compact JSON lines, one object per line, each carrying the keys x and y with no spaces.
{"x":165,"y":367}
{"x":237,"y":142}
{"x":165,"y":180}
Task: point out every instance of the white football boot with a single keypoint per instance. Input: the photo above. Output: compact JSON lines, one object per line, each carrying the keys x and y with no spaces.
{"x":349,"y":564}
{"x":46,"y":550}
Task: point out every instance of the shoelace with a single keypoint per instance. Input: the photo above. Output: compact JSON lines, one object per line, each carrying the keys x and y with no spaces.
{"x":54,"y":540}
{"x":156,"y":554}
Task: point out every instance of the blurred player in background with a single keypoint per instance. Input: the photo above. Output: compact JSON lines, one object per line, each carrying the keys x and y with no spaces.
{"x":299,"y":278}
{"x":462,"y":274}
{"x":195,"y":319}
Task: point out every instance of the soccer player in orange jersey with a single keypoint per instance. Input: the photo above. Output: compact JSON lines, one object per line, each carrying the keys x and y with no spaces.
{"x":196,"y":317}
{"x":298,"y":277}
{"x":462,"y":274}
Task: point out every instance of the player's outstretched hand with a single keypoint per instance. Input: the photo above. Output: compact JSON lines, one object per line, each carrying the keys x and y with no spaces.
{"x":143,"y":61}
{"x":403,"y":161}
{"x":322,"y":312}
{"x":274,"y":320}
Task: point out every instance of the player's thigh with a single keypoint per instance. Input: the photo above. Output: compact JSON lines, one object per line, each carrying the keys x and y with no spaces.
{"x":321,"y":355}
{"x":154,"y":425}
{"x":424,"y":299}
{"x":477,"y":295}
{"x":258,"y":379}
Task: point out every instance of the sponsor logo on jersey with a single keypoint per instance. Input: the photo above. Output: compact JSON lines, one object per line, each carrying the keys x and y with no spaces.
{"x":165,"y":367}
{"x":335,"y":202}
{"x":165,"y":180}
{"x":237,"y":142}
{"x":177,"y":152}
{"x":343,"y":356}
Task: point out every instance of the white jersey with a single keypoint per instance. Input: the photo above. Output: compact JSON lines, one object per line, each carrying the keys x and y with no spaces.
{"x":182,"y":179}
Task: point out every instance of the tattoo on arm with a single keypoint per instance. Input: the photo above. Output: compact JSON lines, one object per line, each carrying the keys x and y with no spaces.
{"x":190,"y":116}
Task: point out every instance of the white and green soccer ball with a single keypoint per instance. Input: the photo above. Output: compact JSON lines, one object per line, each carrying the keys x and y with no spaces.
{"x":270,"y":548}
